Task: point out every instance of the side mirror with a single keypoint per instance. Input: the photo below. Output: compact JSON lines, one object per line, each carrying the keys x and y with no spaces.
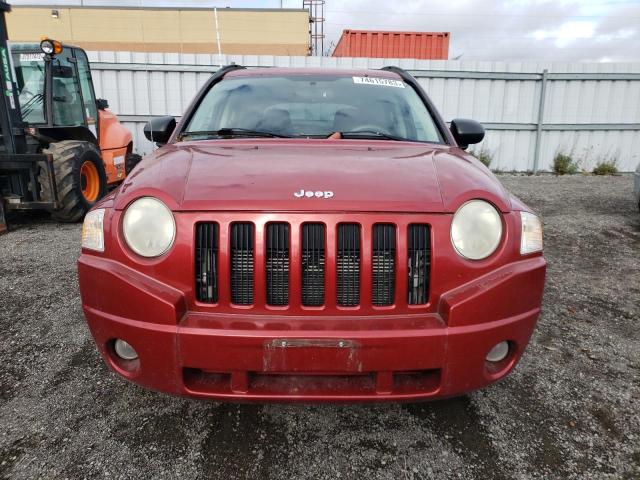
{"x":102,"y":104}
{"x":466,"y":132}
{"x":159,"y":129}
{"x":62,"y":71}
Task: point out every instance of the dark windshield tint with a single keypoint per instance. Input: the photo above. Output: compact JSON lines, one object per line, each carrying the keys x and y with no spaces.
{"x":307,"y":105}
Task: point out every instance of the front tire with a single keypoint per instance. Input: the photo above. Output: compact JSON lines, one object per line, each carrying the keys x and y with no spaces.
{"x":81,"y":179}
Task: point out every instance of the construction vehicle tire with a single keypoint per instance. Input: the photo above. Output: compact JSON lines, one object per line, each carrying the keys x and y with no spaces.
{"x":3,"y":220}
{"x":81,"y":179}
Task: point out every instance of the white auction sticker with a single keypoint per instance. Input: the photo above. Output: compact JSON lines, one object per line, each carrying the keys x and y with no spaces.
{"x":32,"y":57}
{"x":385,"y":82}
{"x":118,"y":160}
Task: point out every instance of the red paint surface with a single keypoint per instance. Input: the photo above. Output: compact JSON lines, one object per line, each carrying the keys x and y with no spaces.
{"x":263,"y":174}
{"x":385,"y":44}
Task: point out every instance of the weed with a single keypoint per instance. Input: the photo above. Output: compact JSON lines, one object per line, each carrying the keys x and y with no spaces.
{"x":564,"y":164}
{"x":606,"y":167}
{"x":484,"y":156}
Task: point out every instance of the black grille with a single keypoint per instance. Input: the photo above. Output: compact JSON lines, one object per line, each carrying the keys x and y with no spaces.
{"x":279,"y":245}
{"x":313,"y":264}
{"x":278,"y":264}
{"x":419,"y":251}
{"x":383,"y":265}
{"x":348,"y":265}
{"x":207,"y":262}
{"x":242,"y":245}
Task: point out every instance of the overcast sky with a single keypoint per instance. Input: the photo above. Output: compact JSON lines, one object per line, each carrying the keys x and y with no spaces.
{"x":554,"y":30}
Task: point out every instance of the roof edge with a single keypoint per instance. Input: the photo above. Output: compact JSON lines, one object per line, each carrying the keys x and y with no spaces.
{"x":172,"y":9}
{"x":408,"y":32}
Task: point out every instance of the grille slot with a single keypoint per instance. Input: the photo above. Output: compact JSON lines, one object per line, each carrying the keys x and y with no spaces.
{"x":419,"y":253}
{"x":383,"y":265}
{"x":207,"y":262}
{"x":242,"y":271}
{"x":313,"y":264}
{"x":277,"y":268}
{"x":348,"y":265}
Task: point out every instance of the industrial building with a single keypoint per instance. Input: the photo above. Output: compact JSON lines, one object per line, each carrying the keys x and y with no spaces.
{"x":184,"y":30}
{"x":386,"y":44}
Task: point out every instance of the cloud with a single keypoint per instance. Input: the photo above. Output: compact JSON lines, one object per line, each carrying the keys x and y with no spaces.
{"x":515,"y":30}
{"x":567,"y":33}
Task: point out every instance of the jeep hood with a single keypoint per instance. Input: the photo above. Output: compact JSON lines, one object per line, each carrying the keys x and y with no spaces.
{"x":264,"y":175}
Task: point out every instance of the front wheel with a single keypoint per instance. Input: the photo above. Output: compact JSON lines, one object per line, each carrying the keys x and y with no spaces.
{"x":80,"y":178}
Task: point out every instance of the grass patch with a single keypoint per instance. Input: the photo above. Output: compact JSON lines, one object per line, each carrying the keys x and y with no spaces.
{"x":484,"y":156}
{"x":563,"y":164}
{"x":606,"y":168}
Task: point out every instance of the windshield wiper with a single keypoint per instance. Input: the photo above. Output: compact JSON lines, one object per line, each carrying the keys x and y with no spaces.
{"x":233,"y":132}
{"x":375,"y":134}
{"x":31,"y":104}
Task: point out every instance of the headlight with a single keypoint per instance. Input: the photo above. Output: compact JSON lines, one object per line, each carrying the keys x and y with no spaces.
{"x":476,"y":230}
{"x":93,"y":230}
{"x":50,"y":47}
{"x":148,"y":226}
{"x":47,"y":46}
{"x":531,"y":237}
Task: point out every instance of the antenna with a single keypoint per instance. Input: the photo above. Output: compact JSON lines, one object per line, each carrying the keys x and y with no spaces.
{"x":215,"y":15}
{"x":316,"y":26}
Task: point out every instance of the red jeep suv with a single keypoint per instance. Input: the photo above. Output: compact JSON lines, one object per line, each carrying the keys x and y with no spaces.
{"x":311,"y":235}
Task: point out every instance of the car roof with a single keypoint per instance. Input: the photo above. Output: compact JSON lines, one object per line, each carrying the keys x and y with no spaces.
{"x":329,"y":72}
{"x":30,"y":46}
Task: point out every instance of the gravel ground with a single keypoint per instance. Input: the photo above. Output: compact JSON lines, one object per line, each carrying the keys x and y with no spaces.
{"x":570,"y":410}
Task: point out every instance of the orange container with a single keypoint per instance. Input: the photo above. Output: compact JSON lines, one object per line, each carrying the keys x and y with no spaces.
{"x":380,"y":44}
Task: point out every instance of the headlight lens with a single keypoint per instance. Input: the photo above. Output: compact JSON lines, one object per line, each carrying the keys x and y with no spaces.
{"x":476,"y":230}
{"x":531,"y":238}
{"x":148,"y":226}
{"x":93,"y":230}
{"x":47,"y":47}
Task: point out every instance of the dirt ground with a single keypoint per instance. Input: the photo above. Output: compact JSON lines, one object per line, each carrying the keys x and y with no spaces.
{"x":571,"y":409}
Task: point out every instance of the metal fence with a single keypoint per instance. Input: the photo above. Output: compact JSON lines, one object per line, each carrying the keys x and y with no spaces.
{"x":531,"y":111}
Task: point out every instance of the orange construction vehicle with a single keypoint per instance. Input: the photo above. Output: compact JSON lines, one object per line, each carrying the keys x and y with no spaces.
{"x":60,"y":149}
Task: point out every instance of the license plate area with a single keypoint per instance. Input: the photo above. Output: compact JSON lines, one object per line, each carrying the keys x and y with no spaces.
{"x":312,"y":355}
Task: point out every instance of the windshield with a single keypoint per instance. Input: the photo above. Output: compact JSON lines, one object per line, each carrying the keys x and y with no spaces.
{"x":314,"y":106}
{"x":29,"y":68}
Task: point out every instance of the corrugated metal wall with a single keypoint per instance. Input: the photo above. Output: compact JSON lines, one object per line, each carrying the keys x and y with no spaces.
{"x":591,"y":111}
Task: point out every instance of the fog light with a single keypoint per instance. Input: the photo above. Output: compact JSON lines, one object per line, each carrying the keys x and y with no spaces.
{"x":124,"y":350}
{"x":498,"y":352}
